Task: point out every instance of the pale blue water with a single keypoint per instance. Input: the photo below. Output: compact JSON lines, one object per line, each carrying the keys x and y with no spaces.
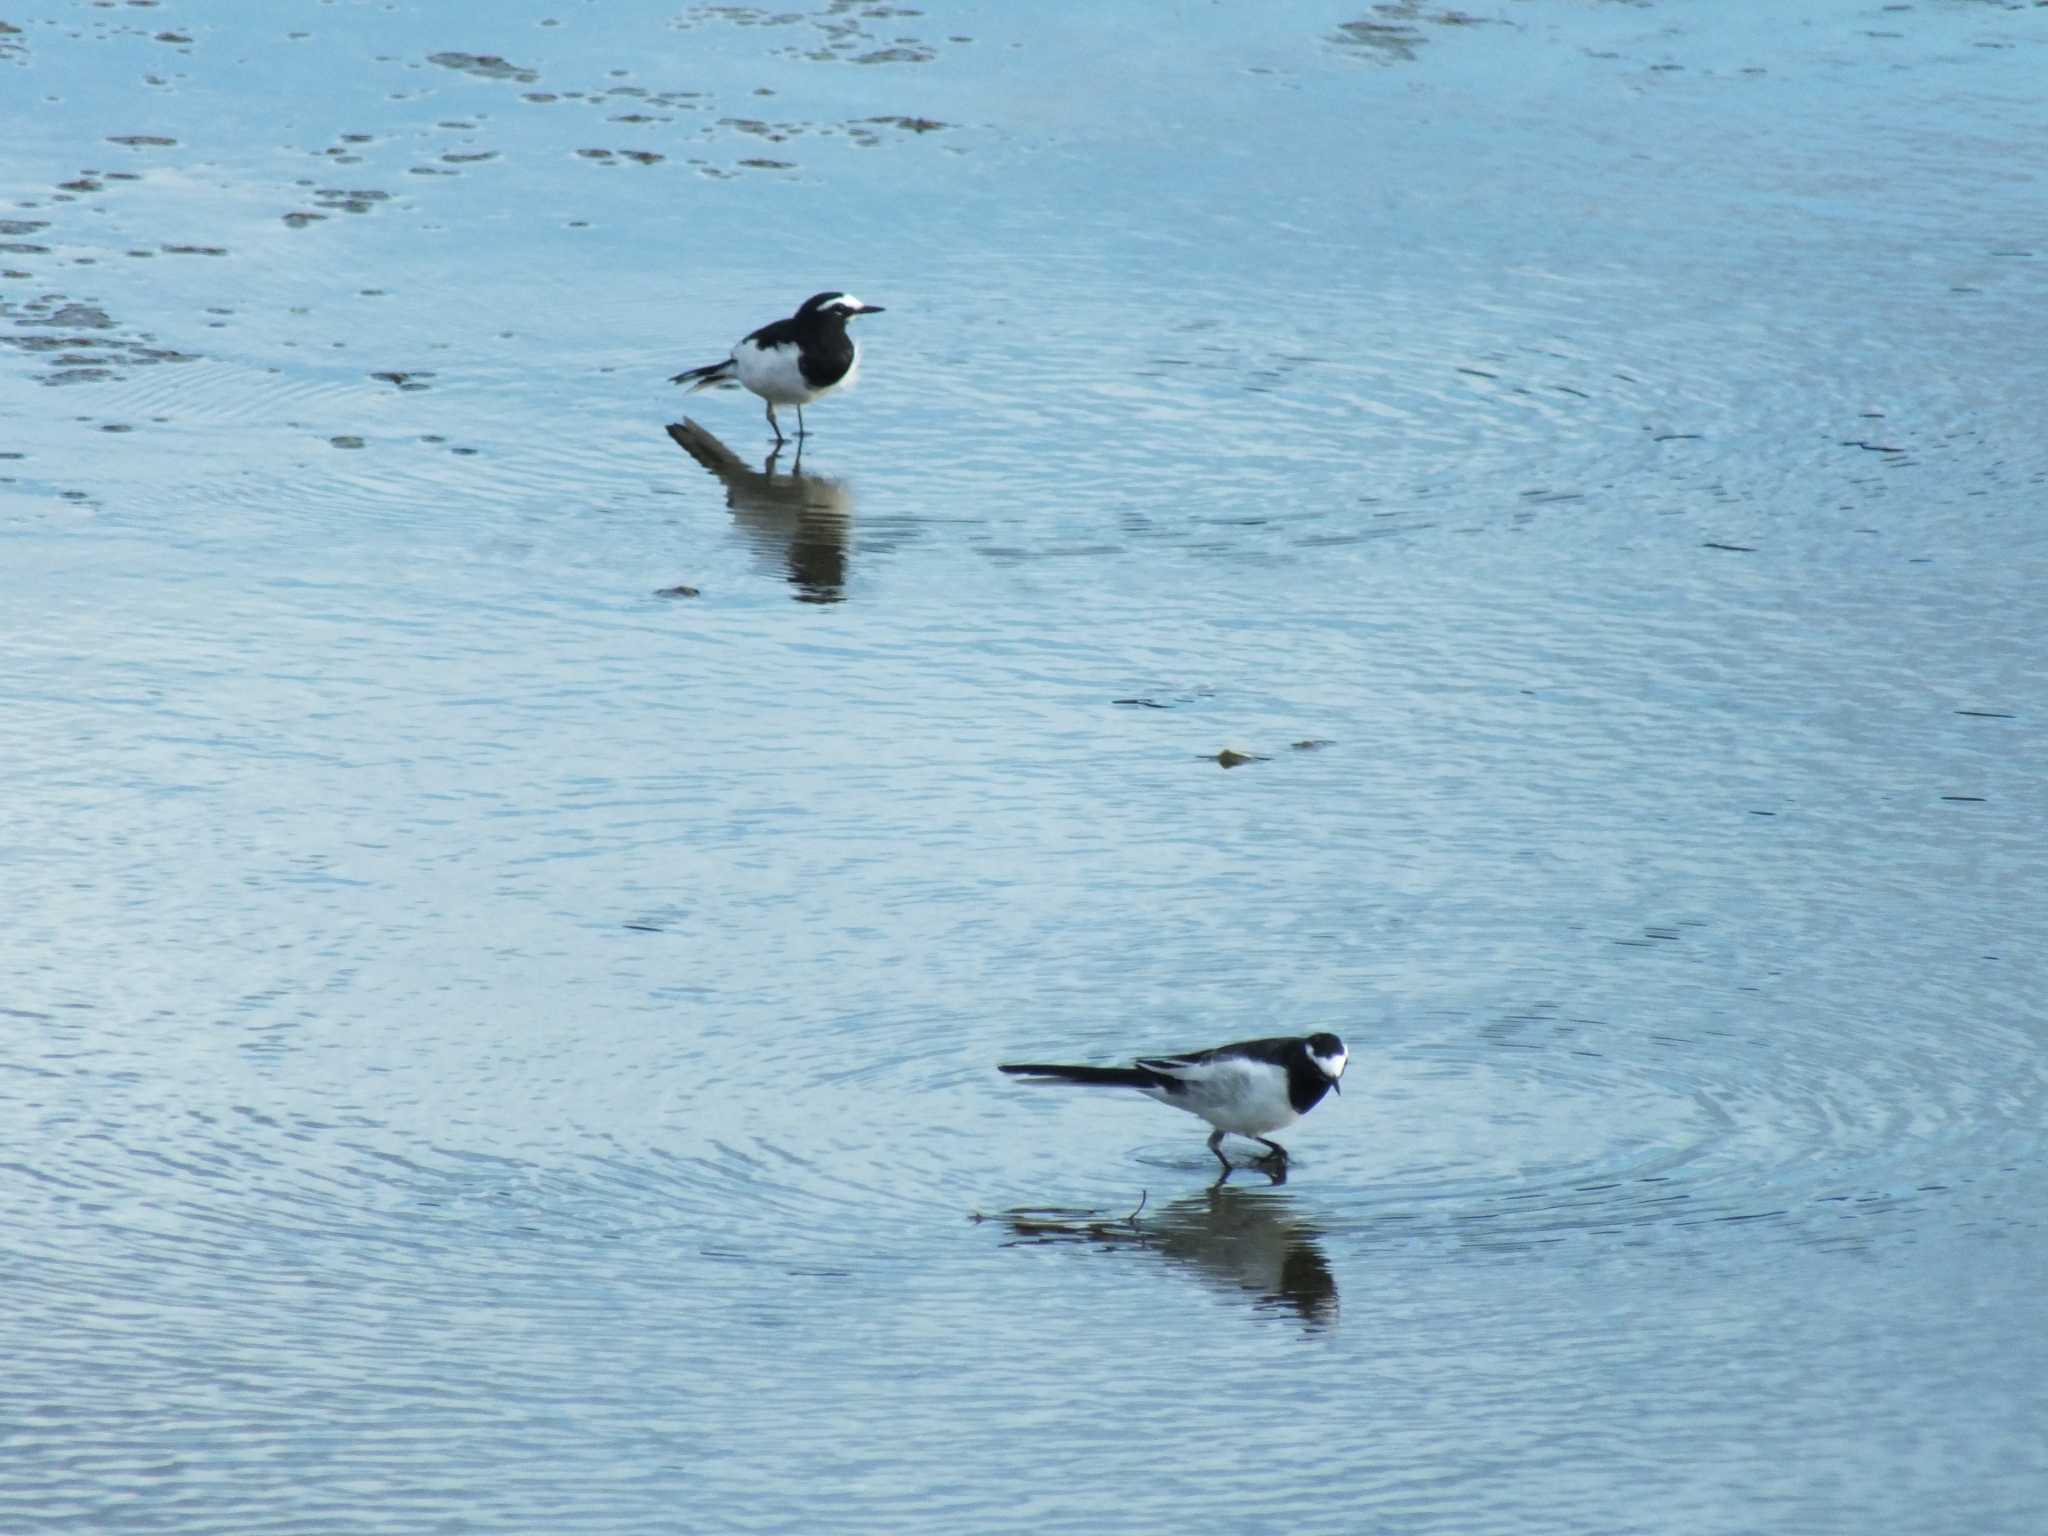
{"x":488,"y":1046}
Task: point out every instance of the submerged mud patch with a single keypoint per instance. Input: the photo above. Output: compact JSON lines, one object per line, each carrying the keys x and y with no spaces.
{"x":356,"y":200}
{"x":77,"y":341}
{"x":1391,"y":35}
{"x":841,"y":33}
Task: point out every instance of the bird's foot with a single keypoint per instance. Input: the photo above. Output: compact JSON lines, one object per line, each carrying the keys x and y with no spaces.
{"x":1273,"y":1161}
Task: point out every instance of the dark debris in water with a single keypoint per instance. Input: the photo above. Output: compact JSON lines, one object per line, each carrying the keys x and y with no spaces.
{"x":352,"y":200}
{"x":901,"y":53}
{"x":678,"y":590}
{"x":774,"y":133}
{"x":1149,"y":701}
{"x":1061,"y":1223}
{"x":1229,"y":757}
{"x":405,"y":381}
{"x":485,"y":66}
{"x":909,"y":124}
{"x":1390,"y":42}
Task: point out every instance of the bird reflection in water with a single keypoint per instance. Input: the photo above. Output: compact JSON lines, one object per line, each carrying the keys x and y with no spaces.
{"x":1246,"y":1242}
{"x":802,"y":520}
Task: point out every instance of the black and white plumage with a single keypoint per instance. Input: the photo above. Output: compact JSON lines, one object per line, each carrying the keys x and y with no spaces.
{"x":793,"y":361}
{"x":1246,"y":1089}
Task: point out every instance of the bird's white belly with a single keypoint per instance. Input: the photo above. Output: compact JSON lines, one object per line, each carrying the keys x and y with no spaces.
{"x":1242,"y":1102}
{"x":1248,"y":1118}
{"x":774,"y":374}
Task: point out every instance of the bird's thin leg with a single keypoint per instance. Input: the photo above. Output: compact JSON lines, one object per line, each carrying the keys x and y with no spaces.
{"x":774,"y":425}
{"x":1216,"y":1146}
{"x":800,"y":423}
{"x":1277,"y":1153}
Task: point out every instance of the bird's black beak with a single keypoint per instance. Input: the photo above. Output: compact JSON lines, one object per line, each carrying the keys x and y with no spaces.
{"x":1337,"y":1086}
{"x":869,"y":309}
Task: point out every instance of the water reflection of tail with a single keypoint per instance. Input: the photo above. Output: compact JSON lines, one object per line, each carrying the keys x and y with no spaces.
{"x":1245,"y":1241}
{"x":803,"y":519}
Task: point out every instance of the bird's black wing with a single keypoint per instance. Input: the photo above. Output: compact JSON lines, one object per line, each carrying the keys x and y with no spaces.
{"x":1273,"y":1050}
{"x":779,"y":333}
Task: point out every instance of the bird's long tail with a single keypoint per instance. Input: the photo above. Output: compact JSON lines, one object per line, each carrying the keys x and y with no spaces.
{"x":708,"y":375}
{"x":1103,"y":1077}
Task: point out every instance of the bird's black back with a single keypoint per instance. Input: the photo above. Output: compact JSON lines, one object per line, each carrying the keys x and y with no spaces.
{"x":777,"y":333}
{"x":1307,"y":1083}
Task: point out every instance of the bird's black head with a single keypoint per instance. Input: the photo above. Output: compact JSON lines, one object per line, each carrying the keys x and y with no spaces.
{"x":834,"y":306}
{"x":1328,"y":1055}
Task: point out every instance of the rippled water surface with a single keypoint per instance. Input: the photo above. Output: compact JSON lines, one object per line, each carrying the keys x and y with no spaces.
{"x":515,"y":897}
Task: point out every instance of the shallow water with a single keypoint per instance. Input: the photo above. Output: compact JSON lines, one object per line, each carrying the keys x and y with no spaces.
{"x":513,"y":918}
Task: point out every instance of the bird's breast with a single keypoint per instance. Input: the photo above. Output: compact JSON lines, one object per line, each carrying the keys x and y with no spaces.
{"x":831,"y":362}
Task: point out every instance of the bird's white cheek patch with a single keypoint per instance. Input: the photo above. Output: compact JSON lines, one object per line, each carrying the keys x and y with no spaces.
{"x":848,"y":303}
{"x":1333,"y":1066}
